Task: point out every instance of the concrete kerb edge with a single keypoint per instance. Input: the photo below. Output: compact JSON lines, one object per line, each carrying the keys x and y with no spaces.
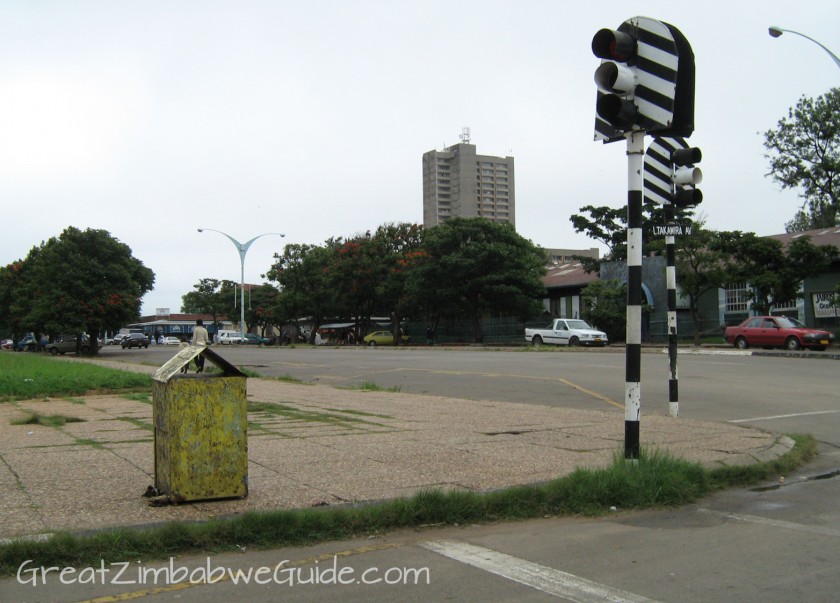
{"x":780,"y":447}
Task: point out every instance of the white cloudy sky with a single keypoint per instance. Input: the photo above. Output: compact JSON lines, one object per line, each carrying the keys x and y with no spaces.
{"x":151,"y":118}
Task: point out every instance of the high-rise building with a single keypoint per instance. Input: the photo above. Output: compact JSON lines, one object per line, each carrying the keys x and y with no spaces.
{"x":459,"y":182}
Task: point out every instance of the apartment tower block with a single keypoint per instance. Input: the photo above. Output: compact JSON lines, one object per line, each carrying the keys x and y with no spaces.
{"x":459,"y":182}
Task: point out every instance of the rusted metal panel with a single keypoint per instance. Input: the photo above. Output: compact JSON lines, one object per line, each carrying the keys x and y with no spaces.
{"x":200,"y":422}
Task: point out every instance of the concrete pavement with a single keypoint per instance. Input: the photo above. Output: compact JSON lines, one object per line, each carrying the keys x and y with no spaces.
{"x":313,"y":445}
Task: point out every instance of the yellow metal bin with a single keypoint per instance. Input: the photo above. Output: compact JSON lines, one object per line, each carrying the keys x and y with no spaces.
{"x":201,"y":439}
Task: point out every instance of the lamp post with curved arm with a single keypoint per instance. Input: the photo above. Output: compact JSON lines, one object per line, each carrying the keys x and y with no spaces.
{"x":242,"y":248}
{"x":778,"y":31}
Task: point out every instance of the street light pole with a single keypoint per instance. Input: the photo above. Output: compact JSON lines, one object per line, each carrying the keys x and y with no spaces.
{"x":242,"y":248}
{"x":775,"y":32}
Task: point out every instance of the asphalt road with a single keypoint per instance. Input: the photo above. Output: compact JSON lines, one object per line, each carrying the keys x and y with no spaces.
{"x":788,"y":393}
{"x":779,"y":542}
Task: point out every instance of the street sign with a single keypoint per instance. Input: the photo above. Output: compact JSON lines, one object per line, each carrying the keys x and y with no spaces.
{"x":671,"y":230}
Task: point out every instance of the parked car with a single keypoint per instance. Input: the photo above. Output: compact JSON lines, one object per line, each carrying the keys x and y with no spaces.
{"x":383,"y":338}
{"x":67,"y":344}
{"x":254,"y":339}
{"x":29,"y":343}
{"x":135,"y":340}
{"x":171,"y":340}
{"x":775,"y":332}
{"x":6,"y":344}
{"x":229,"y":337}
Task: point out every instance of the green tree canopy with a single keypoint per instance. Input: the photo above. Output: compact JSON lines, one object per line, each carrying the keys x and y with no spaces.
{"x":80,"y":281}
{"x":473,"y":266}
{"x":700,"y":269}
{"x":604,"y":305}
{"x":609,"y":226}
{"x":302,"y":273}
{"x":804,"y":153}
{"x":772,"y":271}
{"x":207,"y":297}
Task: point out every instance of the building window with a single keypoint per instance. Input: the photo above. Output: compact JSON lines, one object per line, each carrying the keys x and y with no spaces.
{"x":737,"y":299}
{"x":789,"y":305}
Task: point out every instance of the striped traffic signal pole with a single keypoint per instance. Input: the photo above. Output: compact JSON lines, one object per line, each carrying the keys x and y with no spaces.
{"x":670,"y":180}
{"x":633,"y":360}
{"x":645,"y":86}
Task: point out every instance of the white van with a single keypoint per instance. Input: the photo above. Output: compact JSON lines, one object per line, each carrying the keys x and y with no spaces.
{"x":229,"y":337}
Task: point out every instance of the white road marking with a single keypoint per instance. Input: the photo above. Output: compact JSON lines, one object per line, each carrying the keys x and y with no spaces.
{"x":799,"y":414}
{"x":775,"y":523}
{"x":540,"y":577}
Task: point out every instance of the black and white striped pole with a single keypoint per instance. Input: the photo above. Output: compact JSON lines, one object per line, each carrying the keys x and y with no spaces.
{"x":645,"y":85}
{"x":670,"y":179}
{"x":633,"y":360}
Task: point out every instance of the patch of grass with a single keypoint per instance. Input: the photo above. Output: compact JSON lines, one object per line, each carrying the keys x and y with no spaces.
{"x":287,"y":378}
{"x":47,"y":420}
{"x":139,"y":397}
{"x":370,"y":386}
{"x":138,"y":423}
{"x":296,"y":414}
{"x":656,"y":480}
{"x":32,"y":376}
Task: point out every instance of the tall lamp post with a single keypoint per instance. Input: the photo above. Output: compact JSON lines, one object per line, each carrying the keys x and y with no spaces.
{"x":242,"y":248}
{"x":777,"y":31}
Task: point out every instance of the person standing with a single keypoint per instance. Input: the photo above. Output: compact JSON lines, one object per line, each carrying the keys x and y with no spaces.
{"x":202,"y":338}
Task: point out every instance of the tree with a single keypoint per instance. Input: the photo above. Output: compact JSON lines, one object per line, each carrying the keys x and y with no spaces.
{"x":604,"y":305}
{"x":82,"y":281}
{"x":473,"y":266}
{"x":609,"y":226}
{"x":12,"y":307}
{"x":206,"y":297}
{"x":302,"y":273}
{"x":262,"y":307}
{"x":804,"y":152}
{"x":398,"y":248}
{"x":700,"y":270}
{"x":772,"y":271}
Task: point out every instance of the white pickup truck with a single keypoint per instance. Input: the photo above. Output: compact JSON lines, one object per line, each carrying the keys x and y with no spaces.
{"x":229,"y":337}
{"x":566,"y":331}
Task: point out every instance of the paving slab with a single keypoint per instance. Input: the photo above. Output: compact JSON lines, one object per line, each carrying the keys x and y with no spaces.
{"x":323,"y":446}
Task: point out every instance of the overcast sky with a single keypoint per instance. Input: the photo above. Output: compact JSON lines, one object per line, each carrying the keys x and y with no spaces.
{"x":150,"y":119}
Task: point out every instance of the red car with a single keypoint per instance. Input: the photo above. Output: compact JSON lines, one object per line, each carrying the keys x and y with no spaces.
{"x":777,"y":332}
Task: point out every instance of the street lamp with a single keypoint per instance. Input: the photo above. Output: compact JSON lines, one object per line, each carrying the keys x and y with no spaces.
{"x":777,"y":31}
{"x":242,"y":248}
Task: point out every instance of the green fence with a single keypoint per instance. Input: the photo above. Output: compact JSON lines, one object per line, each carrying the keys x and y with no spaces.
{"x":511,"y":331}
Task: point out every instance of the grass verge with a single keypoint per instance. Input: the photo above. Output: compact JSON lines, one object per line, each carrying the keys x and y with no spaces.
{"x":25,"y":376}
{"x":657,"y":480}
{"x":371,"y":386}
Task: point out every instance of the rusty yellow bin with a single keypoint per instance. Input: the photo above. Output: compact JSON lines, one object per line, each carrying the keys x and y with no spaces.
{"x":201,"y":438}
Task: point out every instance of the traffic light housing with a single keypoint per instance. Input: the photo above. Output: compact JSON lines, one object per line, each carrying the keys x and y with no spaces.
{"x":645,"y":80}
{"x":671,"y":175}
{"x":686,"y":176}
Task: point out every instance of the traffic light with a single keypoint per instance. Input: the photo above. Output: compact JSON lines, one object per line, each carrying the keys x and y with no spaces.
{"x":686,"y":176}
{"x":645,"y":80}
{"x":670,"y":175}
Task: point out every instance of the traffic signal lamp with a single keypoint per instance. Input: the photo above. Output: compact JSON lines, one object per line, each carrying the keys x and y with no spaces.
{"x":616,"y":78}
{"x":645,"y":80}
{"x":686,"y":176}
{"x":671,"y":174}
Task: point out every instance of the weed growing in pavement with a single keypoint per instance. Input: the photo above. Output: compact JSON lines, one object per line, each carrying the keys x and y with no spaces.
{"x":47,"y":420}
{"x":656,"y":480}
{"x":310,"y":416}
{"x":26,"y":376}
{"x":370,"y":386}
